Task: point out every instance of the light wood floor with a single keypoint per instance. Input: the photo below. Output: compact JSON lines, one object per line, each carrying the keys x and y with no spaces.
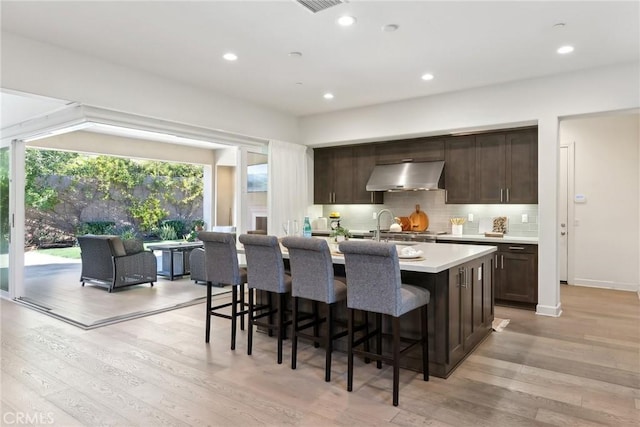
{"x":581,"y":369}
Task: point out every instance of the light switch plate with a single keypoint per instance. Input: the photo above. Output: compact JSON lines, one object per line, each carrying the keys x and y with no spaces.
{"x":525,"y":218}
{"x":470,"y":217}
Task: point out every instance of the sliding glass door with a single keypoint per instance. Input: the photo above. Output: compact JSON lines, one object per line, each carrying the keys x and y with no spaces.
{"x":5,"y":229}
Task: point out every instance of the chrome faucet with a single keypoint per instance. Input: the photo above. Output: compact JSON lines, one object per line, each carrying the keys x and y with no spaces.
{"x":377,"y":237}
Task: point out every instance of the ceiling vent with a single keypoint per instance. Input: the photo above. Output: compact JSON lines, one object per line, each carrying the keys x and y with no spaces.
{"x":316,"y":6}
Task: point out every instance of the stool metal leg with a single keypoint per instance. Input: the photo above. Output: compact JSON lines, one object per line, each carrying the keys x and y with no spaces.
{"x":294,"y":333}
{"x":280,"y":326}
{"x":425,"y":342}
{"x":208,"y":322}
{"x":328,"y":343}
{"x":234,"y":314}
{"x":396,"y":359}
{"x":379,"y":339}
{"x":350,"y":327}
{"x":250,"y":331}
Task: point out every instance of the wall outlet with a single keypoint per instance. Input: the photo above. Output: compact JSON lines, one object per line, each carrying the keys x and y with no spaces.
{"x":374,"y":215}
{"x":470,"y":217}
{"x":525,"y":218}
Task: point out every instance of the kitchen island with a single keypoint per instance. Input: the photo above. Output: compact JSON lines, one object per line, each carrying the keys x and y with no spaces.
{"x":460,"y":312}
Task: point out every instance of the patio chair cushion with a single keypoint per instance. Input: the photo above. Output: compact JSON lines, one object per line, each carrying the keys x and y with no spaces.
{"x":133,"y":246}
{"x":118,"y":246}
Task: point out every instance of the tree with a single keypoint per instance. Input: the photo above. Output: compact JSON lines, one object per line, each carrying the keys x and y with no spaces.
{"x":61,"y":187}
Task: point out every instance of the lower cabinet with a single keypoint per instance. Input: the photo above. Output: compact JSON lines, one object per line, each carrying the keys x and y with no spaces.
{"x":460,"y":313}
{"x":516,"y":275}
{"x":470,"y":307}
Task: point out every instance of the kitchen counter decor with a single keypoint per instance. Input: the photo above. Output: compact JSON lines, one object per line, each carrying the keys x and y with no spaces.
{"x":456,"y":226}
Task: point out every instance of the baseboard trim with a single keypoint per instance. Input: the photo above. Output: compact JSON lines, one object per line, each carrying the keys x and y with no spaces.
{"x":629,"y":287}
{"x":549,"y":310}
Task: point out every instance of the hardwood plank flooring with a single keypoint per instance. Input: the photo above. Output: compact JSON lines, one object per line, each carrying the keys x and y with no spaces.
{"x":582,"y":369}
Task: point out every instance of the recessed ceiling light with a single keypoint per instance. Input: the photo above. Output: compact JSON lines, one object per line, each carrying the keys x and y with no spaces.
{"x":229,"y":56}
{"x":565,"y":49}
{"x":427,"y":76}
{"x":389,"y":28}
{"x":295,"y":54}
{"x":346,"y":20}
{"x":328,"y":95}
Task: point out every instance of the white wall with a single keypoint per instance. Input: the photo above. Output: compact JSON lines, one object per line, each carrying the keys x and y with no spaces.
{"x":41,"y":69}
{"x":542,"y":100}
{"x":605,"y":229}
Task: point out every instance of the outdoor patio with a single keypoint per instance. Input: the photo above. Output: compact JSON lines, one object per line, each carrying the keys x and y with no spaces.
{"x":52,"y":286}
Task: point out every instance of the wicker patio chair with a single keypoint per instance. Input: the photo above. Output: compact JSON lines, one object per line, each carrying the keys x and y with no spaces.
{"x":107,"y":261}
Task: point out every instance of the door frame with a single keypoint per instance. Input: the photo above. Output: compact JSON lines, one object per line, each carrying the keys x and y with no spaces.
{"x":568,"y":171}
{"x":16,"y":215}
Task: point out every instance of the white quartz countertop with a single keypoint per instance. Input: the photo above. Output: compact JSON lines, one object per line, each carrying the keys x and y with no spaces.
{"x":482,"y":238}
{"x":436,"y":257}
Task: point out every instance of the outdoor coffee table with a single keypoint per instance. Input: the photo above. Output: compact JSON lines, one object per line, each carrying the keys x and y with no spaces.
{"x":175,"y":258}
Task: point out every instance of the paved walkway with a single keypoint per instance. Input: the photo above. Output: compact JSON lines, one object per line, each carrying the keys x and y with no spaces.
{"x":38,"y":258}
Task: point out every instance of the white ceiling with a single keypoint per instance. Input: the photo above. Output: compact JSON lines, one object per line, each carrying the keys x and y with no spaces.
{"x":463,"y":43}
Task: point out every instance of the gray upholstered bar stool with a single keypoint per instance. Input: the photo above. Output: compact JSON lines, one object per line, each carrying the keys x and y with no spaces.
{"x":374,"y":284}
{"x":313,"y":279}
{"x":265,"y":271}
{"x":221,"y":268}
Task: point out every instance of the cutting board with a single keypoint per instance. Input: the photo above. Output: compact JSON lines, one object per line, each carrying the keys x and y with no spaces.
{"x":419,"y":220}
{"x":405,"y":223}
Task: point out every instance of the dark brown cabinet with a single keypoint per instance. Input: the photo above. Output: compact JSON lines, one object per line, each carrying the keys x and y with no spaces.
{"x":490,"y":168}
{"x":521,"y":174}
{"x":507,"y":167}
{"x":341,"y":175}
{"x":516,"y":275}
{"x":461,"y":312}
{"x":410,"y":150}
{"x":470,"y":306}
{"x":460,"y":169}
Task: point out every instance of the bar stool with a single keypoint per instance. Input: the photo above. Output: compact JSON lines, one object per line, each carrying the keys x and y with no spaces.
{"x":221,"y":268}
{"x":374,"y":284}
{"x":313,"y":279}
{"x":265,"y":271}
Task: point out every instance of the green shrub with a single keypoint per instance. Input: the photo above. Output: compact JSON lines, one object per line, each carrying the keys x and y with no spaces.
{"x":128,"y":234}
{"x":97,"y":227}
{"x":167,"y":232}
{"x":177,"y":224}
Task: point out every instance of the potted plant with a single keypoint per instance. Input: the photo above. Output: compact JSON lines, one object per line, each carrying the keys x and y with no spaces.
{"x":340,"y":233}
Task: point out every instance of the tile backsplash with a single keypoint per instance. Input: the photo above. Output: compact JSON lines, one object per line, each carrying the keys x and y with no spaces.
{"x":360,"y":217}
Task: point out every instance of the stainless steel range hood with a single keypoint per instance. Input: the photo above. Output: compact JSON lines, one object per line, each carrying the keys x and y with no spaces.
{"x":406,"y":176}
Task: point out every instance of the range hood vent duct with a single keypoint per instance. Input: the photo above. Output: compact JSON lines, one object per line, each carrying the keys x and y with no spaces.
{"x":406,"y":176}
{"x":316,"y":6}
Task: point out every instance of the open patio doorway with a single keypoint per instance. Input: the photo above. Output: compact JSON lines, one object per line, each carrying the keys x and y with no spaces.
{"x":68,"y":194}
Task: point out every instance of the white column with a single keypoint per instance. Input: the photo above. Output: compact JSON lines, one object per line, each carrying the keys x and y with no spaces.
{"x":548,"y":225}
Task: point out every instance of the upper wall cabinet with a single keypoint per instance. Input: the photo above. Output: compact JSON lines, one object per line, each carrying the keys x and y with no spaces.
{"x":341,"y":175}
{"x":460,"y":169}
{"x":410,"y":150}
{"x":496,"y":167}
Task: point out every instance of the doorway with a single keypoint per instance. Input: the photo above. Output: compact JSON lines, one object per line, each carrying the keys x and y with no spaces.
{"x":563,"y":213}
